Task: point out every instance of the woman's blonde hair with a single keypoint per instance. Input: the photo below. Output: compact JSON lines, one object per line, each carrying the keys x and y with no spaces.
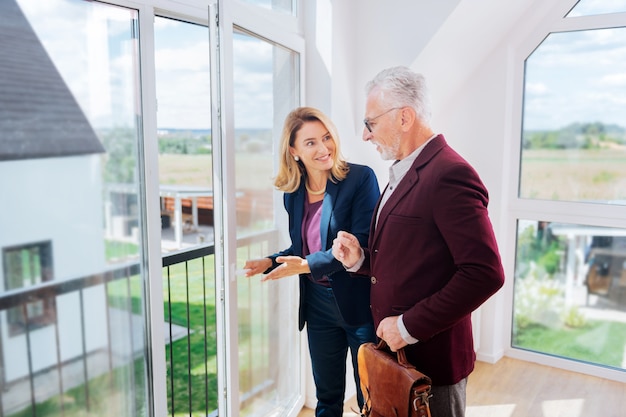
{"x":290,"y":171}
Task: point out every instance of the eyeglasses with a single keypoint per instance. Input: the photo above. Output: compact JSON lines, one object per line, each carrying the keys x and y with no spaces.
{"x":368,"y":120}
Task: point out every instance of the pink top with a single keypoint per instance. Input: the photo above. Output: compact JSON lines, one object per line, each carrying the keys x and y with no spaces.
{"x":311,"y":236}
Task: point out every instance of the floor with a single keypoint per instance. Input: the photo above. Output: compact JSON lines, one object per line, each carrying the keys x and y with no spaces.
{"x":514,"y":388}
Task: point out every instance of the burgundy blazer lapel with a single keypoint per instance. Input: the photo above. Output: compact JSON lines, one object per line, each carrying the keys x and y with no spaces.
{"x":408,"y":182}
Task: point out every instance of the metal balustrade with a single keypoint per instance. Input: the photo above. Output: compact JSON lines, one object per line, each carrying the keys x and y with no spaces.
{"x":116,"y":368}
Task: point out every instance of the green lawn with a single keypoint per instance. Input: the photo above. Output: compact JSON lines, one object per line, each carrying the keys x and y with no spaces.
{"x":599,"y":342}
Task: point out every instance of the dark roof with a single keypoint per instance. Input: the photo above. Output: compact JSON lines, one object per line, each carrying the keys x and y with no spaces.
{"x":39,"y":116}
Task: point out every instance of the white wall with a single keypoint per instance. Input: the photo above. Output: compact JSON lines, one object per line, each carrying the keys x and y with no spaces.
{"x":55,"y":204}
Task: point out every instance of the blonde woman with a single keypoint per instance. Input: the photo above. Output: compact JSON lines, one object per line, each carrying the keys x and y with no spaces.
{"x":322,"y":195}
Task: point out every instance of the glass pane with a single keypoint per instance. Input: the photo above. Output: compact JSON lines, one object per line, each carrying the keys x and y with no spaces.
{"x":266,"y":89}
{"x":186,"y":197}
{"x":574,"y":131}
{"x":594,"y":7}
{"x":283,"y":6}
{"x":69,"y":166}
{"x":184,"y":133}
{"x":570,"y":292}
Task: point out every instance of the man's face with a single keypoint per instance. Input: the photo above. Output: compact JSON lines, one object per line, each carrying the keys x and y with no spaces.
{"x":382,"y":127}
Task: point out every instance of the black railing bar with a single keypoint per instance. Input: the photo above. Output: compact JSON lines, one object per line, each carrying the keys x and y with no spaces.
{"x":84,"y":346}
{"x":206,"y":345}
{"x":57,"y":338}
{"x":250,"y":323}
{"x":188,"y":337}
{"x":31,"y":381}
{"x":188,"y":254}
{"x":2,"y":375}
{"x":18,"y":296}
{"x":109,"y":333}
{"x":169,"y":306}
{"x":185,"y":255}
{"x":129,"y":305}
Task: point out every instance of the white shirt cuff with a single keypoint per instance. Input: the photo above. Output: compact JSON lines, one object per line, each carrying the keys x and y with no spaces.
{"x":358,"y":263}
{"x":405,"y":333}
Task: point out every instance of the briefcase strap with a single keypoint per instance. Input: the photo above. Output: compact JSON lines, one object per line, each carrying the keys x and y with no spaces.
{"x":420,"y":402}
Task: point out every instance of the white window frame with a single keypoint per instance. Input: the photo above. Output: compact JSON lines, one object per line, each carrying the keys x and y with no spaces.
{"x":545,"y":210}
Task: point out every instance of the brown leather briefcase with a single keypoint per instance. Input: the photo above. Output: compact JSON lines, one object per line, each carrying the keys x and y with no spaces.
{"x":391,"y":386}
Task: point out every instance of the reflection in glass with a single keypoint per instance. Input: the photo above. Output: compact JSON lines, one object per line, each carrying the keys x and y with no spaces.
{"x":570,"y":292}
{"x":184,"y":133}
{"x":186,"y":198}
{"x":595,"y":7}
{"x":266,"y":89}
{"x":72,"y":324}
{"x":283,"y":6}
{"x":574,"y":133}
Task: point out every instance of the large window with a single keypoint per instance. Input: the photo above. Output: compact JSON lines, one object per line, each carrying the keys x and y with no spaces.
{"x":266,"y":88}
{"x":570,"y":264}
{"x":574,"y":133}
{"x":71,"y":342}
{"x":109,"y":158}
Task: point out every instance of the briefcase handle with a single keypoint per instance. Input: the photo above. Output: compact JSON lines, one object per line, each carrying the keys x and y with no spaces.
{"x":382,"y":345}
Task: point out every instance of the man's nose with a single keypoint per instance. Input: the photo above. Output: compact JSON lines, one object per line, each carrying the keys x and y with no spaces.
{"x":367,"y":135}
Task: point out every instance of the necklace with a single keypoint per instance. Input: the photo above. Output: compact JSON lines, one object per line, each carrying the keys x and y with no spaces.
{"x":320,"y":192}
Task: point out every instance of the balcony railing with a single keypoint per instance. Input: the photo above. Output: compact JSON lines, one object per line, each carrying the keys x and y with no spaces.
{"x":89,"y":356}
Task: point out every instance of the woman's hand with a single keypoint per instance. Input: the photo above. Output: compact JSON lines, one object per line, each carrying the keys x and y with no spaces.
{"x":257,"y":266}
{"x":290,"y":265}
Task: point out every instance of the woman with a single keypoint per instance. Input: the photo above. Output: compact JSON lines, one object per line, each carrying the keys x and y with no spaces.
{"x":324,"y":194}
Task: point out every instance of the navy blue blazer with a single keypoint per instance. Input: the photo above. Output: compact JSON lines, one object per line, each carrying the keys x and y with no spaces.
{"x":348,"y":205}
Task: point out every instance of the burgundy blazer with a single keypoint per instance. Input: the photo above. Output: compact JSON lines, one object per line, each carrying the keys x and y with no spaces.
{"x":433,"y":257}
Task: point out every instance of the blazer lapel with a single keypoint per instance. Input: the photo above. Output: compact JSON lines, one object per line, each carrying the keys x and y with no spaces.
{"x":298,"y":214}
{"x":328,"y":205}
{"x":408,"y":182}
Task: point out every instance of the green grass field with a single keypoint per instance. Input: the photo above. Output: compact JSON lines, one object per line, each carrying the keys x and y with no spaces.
{"x":574,"y":175}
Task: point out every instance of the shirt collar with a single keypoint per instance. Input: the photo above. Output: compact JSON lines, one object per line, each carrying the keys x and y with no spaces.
{"x":398,"y":170}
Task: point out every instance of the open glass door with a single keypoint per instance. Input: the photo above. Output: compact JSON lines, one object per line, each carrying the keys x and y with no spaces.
{"x":257,"y":85}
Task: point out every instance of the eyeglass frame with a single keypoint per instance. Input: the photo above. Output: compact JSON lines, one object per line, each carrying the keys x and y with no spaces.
{"x":367,"y":120}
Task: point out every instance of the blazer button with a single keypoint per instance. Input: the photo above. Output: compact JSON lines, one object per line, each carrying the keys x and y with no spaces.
{"x":373,"y":279}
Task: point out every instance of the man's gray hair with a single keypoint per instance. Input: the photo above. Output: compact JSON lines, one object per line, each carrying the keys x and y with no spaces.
{"x":402,"y":87}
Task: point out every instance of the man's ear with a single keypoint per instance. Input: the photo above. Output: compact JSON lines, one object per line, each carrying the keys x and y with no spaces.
{"x":407,"y":115}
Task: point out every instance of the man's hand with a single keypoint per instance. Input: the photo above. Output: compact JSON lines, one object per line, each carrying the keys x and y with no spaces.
{"x":347,"y":249}
{"x":291,"y":265}
{"x":388,"y":331}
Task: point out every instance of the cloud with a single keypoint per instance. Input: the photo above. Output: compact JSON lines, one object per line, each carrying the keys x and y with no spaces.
{"x":576,"y":77}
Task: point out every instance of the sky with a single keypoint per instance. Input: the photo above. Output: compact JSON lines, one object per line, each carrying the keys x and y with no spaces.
{"x":571,"y":77}
{"x":97,"y":60}
{"x":576,"y":77}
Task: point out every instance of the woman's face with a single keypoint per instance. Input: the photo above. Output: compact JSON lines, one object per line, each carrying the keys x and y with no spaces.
{"x":314,"y":146}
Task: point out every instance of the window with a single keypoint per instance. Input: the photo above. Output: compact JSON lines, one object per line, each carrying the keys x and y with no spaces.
{"x":574,"y":134}
{"x":593,"y":7}
{"x":72,"y":228}
{"x":281,"y":6}
{"x":266,"y":89}
{"x":26,"y":266}
{"x":569,"y":297}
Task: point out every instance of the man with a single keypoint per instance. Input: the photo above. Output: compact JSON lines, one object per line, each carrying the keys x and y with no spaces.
{"x":432,"y":257}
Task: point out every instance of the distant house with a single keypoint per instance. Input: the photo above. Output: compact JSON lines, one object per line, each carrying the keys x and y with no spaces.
{"x":51,"y":196}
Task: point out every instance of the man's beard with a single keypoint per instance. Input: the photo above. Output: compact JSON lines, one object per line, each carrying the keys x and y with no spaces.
{"x":389,"y":153}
